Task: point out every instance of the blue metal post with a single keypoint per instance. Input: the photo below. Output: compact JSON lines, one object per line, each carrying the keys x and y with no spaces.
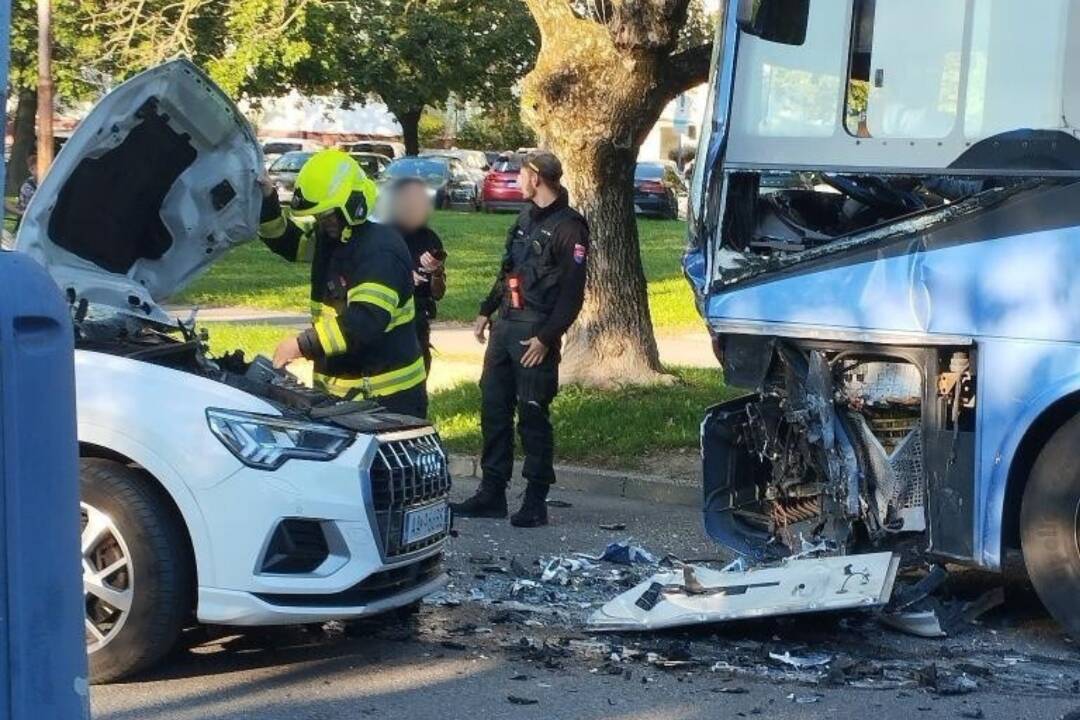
{"x":42,"y":640}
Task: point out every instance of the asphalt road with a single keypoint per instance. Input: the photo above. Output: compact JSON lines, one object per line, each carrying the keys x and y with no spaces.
{"x":467,"y":661}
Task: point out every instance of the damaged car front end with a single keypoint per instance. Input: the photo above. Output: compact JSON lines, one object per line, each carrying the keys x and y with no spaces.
{"x":885,"y":245}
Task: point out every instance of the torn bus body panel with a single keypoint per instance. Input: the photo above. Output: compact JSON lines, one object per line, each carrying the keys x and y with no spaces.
{"x":694,"y":595}
{"x":842,"y":445}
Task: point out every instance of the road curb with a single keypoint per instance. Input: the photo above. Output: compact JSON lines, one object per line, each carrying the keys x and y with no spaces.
{"x":616,"y":483}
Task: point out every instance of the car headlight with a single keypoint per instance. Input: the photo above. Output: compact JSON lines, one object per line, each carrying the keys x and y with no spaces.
{"x":267,"y":441}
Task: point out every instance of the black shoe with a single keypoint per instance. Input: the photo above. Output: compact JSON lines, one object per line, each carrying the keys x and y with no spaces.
{"x":488,"y":502}
{"x":533,"y":512}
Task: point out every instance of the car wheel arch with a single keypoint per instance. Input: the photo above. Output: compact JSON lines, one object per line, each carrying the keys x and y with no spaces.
{"x":178,"y":501}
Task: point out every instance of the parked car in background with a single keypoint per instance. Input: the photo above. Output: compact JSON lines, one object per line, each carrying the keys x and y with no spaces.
{"x":448,"y":182}
{"x":493,"y":156}
{"x":373,"y":164}
{"x":392,"y":150}
{"x":657,"y":188}
{"x":474,"y":162}
{"x":273,"y":148}
{"x":284,"y":170}
{"x":500,"y":190}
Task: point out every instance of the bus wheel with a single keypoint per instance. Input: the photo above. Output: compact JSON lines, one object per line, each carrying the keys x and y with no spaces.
{"x":1050,"y":525}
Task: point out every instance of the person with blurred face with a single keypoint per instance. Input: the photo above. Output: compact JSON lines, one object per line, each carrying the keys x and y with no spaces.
{"x":538,"y":294}
{"x":410,"y":210}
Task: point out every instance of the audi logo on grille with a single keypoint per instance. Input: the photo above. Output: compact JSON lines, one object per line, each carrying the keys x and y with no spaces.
{"x":429,"y":465}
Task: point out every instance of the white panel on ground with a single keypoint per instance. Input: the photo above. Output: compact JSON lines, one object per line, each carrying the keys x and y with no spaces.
{"x":695,"y":595}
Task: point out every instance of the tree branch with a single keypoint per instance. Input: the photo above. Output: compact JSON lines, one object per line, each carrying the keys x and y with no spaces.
{"x":685,"y":70}
{"x":550,"y":14}
{"x":648,"y":25}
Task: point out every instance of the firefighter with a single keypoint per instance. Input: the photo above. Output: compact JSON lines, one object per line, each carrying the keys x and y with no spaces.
{"x":362,"y":338}
{"x":538,"y":295}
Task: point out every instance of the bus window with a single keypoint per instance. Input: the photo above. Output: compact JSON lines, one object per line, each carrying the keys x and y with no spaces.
{"x":795,"y":90}
{"x":897,"y":87}
{"x":1016,"y":65}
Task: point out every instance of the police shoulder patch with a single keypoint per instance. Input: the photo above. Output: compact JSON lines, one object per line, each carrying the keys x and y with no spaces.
{"x":580,"y":253}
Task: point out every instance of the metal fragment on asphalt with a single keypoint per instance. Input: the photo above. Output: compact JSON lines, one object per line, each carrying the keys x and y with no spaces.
{"x":797,"y":586}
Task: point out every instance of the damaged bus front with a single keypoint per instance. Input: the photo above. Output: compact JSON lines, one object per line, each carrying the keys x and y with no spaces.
{"x":885,"y":247}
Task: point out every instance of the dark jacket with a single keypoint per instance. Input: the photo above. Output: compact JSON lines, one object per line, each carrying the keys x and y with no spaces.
{"x":546,"y":250}
{"x":362,"y":339}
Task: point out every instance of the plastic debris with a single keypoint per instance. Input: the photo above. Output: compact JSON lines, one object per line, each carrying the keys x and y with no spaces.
{"x":983,"y":604}
{"x":622,"y":553}
{"x":801,"y":662}
{"x":613,"y":526}
{"x":920,"y":623}
{"x":559,"y":570}
{"x":801,"y":699}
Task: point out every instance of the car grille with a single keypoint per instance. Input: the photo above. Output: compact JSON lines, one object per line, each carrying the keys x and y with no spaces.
{"x":409,"y":471}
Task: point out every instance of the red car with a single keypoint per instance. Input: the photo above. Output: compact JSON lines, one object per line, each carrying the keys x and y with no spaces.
{"x":501,"y":191}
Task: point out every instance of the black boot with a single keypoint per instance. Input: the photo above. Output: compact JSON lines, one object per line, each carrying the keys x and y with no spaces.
{"x":533,"y":512}
{"x":488,"y":502}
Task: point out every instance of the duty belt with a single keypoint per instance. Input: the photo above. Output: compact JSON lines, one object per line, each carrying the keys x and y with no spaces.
{"x":379,"y":385}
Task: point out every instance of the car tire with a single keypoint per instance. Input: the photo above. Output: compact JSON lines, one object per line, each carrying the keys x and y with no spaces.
{"x":131,"y":532}
{"x":1050,"y":525}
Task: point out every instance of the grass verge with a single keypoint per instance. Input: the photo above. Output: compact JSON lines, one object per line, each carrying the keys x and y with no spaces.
{"x":252,"y":276}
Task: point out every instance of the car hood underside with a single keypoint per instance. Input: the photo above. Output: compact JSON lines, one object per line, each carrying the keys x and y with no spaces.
{"x":155,"y":184}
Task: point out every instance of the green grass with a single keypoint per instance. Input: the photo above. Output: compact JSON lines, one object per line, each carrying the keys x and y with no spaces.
{"x":254,"y":277}
{"x":611,"y":428}
{"x":614,"y":428}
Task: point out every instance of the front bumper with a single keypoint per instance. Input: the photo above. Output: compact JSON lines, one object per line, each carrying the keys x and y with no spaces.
{"x":230,"y":607}
{"x":357,"y":502}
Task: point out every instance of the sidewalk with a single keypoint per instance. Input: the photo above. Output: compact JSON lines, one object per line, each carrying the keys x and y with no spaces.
{"x":457,"y":354}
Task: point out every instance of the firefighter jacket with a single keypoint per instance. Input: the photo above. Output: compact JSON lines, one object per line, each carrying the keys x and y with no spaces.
{"x":362,"y":339}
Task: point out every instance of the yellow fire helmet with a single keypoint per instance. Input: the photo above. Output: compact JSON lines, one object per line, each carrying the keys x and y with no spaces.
{"x":332,"y":180}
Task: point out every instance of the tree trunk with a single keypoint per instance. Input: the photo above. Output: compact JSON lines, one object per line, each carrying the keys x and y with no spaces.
{"x":23,"y":140}
{"x":410,"y":130}
{"x":593,"y":103}
{"x":612,"y":341}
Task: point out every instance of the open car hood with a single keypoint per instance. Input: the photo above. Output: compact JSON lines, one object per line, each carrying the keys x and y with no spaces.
{"x":154,"y":185}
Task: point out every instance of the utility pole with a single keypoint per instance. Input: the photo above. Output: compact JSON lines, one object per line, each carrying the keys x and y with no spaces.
{"x":45,"y":89}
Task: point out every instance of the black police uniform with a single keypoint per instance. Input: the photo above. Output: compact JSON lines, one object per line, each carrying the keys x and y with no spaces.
{"x":538,"y":293}
{"x":363,"y":338}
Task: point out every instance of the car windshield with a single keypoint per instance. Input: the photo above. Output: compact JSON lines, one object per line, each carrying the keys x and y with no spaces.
{"x":279,"y":148}
{"x":507,"y":165}
{"x":369,"y":163}
{"x":417,"y":167}
{"x":290,"y":162}
{"x":649,"y":171}
{"x":374,"y":148}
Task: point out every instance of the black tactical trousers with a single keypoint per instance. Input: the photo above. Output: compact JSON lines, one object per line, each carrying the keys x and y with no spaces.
{"x":506,"y":386}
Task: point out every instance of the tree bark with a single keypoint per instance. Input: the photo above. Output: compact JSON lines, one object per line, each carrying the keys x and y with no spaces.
{"x":410,"y":130}
{"x":595,"y":93}
{"x":23,"y":140}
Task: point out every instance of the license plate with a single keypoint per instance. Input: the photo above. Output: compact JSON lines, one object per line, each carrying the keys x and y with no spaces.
{"x":512,"y":184}
{"x":422,"y":523}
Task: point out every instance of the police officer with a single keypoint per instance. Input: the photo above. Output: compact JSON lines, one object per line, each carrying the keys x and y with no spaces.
{"x":362,"y":337}
{"x":538,"y":295}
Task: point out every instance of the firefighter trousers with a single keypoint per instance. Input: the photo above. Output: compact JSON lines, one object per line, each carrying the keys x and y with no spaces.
{"x":507,"y":387}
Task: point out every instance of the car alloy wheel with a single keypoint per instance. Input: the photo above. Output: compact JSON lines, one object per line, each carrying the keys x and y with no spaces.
{"x":108,"y":578}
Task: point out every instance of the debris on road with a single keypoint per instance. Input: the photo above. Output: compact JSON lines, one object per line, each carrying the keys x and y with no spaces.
{"x":986,"y":602}
{"x":622,"y":553}
{"x":920,"y":623}
{"x":695,"y":595}
{"x":517,"y":700}
{"x":615,"y":527}
{"x":559,"y":570}
{"x":559,"y":503}
{"x":810,"y":660}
